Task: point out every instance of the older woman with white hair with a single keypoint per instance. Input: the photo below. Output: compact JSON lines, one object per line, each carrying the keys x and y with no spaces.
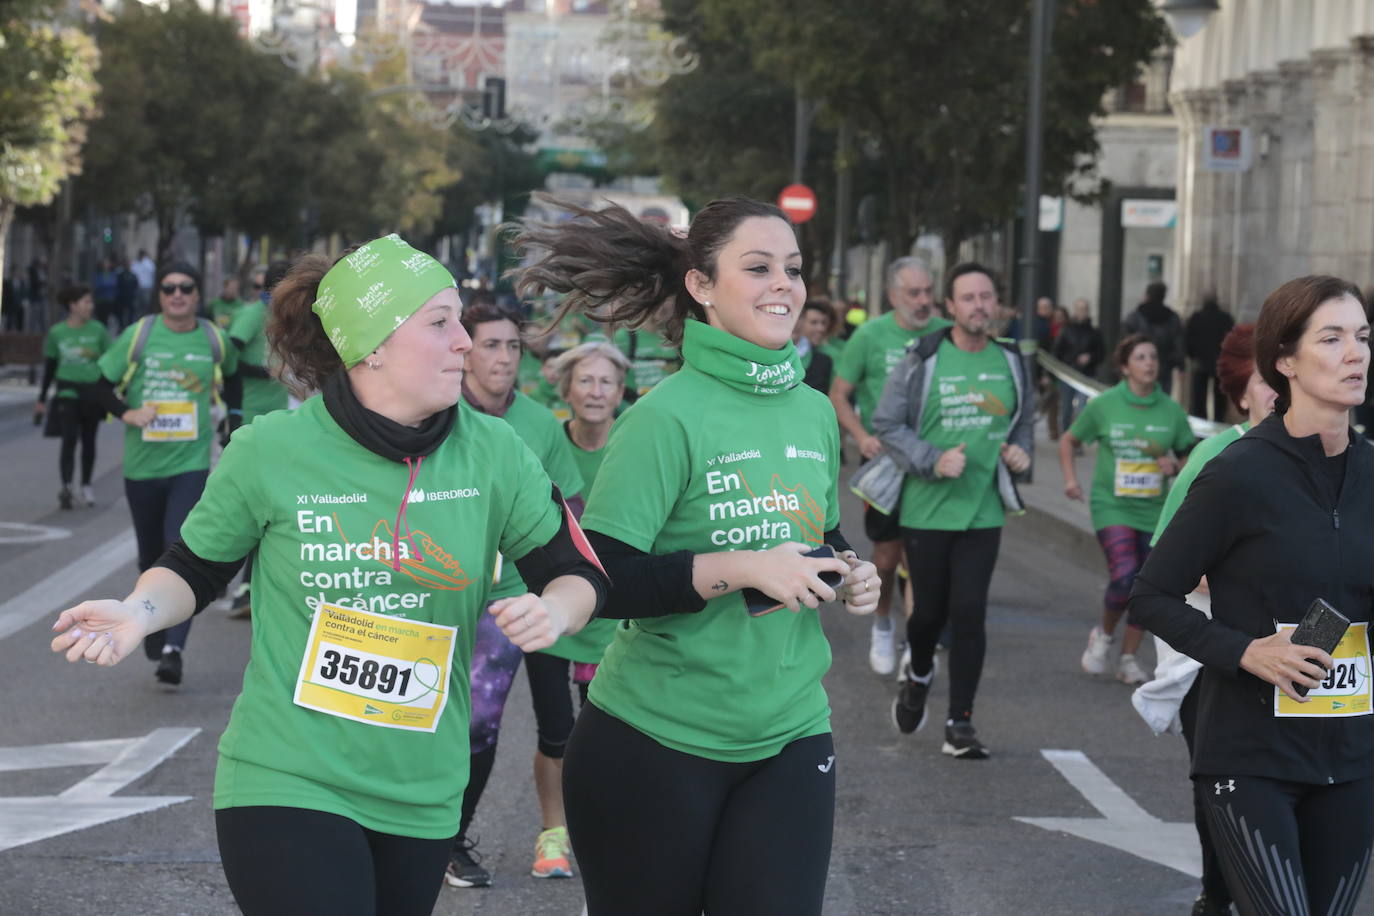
{"x":591,"y":379}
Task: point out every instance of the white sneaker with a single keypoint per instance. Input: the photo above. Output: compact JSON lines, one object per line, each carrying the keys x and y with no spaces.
{"x":880,"y":653}
{"x":1098,"y":651}
{"x":1128,"y":671}
{"x":88,"y":496}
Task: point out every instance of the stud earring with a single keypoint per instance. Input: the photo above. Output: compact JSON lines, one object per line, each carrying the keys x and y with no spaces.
{"x":374,"y":365}
{"x":707,"y":304}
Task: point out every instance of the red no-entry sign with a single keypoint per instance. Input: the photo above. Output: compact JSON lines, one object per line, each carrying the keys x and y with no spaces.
{"x":798,"y":202}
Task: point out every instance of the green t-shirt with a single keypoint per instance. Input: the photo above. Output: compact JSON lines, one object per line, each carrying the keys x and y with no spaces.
{"x":1205,"y":451}
{"x":260,"y":395}
{"x":321,"y":520}
{"x":653,"y":359}
{"x":222,"y":311}
{"x":700,"y":465}
{"x":834,"y":348}
{"x":538,"y":429}
{"x":589,"y":643}
{"x":971,"y":399}
{"x":178,"y":370}
{"x":871,"y":354}
{"x":1128,"y":487}
{"x":77,"y":351}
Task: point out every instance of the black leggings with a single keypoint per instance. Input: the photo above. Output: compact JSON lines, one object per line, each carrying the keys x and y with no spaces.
{"x":158,"y":507}
{"x":659,"y":831}
{"x":78,"y":421}
{"x":1213,"y":878}
{"x":951,"y":572}
{"x":1288,"y":848}
{"x":290,"y":861}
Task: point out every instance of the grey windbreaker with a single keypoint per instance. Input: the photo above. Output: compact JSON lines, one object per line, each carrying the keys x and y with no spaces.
{"x":897,"y":418}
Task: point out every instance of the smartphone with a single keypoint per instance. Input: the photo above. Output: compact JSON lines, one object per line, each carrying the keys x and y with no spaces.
{"x":758,"y":604}
{"x":1322,"y":626}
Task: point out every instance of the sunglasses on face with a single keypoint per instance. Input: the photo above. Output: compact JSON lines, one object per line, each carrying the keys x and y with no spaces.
{"x":185,"y":288}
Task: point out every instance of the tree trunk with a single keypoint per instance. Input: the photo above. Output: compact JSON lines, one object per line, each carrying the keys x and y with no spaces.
{"x":6,"y":220}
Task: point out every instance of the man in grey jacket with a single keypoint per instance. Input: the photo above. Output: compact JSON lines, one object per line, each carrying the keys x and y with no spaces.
{"x":957,"y":417}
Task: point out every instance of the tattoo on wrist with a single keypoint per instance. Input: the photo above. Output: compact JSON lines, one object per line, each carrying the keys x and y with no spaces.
{"x":720,"y":586}
{"x":148,"y":606}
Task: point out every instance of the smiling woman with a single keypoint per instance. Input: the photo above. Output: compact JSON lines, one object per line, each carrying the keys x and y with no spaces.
{"x":732,"y":762}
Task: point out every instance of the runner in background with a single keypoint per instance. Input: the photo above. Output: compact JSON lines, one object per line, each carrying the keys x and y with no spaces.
{"x":652,"y":356}
{"x":71,"y":351}
{"x":337,"y":790}
{"x":1169,"y":702}
{"x":262,"y":391}
{"x":167,"y":366}
{"x":223,"y":309}
{"x":958,"y":417}
{"x":819,"y":367}
{"x":489,"y":387}
{"x":1279,"y":519}
{"x":701,"y":772}
{"x":873,"y":350}
{"x":1142,"y":434}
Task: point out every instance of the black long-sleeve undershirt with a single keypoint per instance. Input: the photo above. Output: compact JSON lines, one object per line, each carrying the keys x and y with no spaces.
{"x":248,"y":370}
{"x":49,"y":373}
{"x":649,"y":585}
{"x":103,"y":394}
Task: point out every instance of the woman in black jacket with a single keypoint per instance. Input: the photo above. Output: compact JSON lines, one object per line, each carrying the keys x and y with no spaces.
{"x":1277,"y":520}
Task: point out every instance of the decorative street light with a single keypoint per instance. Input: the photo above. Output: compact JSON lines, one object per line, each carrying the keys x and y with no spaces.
{"x":1187,"y":17}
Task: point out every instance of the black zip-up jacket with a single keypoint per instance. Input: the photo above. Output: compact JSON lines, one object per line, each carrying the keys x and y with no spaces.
{"x":1263,"y":523}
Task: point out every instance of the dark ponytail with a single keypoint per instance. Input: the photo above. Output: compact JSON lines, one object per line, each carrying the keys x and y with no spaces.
{"x":298,"y":339}
{"x":616,"y":268}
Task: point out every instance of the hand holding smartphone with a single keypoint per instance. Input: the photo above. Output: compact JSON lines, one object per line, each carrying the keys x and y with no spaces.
{"x":1322,"y":626}
{"x":758,"y":604}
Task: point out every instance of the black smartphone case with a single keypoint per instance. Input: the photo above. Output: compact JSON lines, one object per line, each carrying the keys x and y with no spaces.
{"x":1322,"y":626}
{"x":758,"y":604}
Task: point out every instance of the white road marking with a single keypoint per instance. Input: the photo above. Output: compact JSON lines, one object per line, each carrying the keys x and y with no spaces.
{"x":63,"y":587}
{"x":20,"y":533}
{"x":1124,"y":824}
{"x":28,"y":819}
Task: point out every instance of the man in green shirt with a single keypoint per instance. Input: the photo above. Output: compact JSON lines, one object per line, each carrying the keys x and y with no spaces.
{"x":873,"y":350}
{"x":958,"y":417}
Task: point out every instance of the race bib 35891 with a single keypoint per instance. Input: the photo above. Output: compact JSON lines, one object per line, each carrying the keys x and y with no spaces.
{"x":376,"y":669}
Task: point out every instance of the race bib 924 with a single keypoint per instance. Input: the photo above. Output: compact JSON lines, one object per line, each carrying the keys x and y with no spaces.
{"x":1346,"y":689}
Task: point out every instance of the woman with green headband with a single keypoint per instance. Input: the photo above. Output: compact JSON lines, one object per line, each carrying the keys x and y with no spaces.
{"x":377,"y":511}
{"x":707,"y":712}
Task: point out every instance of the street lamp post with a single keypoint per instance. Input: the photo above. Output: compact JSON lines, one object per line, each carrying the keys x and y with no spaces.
{"x":1035,"y":142}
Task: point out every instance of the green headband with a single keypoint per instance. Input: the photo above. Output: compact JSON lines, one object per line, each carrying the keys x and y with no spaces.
{"x":371,"y":293}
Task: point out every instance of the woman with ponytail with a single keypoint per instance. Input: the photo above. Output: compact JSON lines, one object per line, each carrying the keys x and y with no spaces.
{"x":708,"y":706}
{"x":377,"y":511}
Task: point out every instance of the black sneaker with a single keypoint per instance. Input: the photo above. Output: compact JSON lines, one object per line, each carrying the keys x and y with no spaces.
{"x":169,"y":669}
{"x":64,"y":497}
{"x":464,"y":869}
{"x":153,"y":643}
{"x":961,"y":741}
{"x":909,"y":706}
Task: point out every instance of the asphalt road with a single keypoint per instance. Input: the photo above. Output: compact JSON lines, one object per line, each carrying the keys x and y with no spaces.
{"x":916,"y":832}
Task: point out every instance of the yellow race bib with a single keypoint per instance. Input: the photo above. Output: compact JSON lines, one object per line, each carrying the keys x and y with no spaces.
{"x":1138,"y":479}
{"x":376,"y":669}
{"x":175,"y":422}
{"x":1346,"y":689}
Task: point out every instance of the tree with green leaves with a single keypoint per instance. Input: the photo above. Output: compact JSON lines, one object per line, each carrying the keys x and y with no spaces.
{"x":47,"y":93}
{"x":936,"y":92}
{"x":177,"y":86}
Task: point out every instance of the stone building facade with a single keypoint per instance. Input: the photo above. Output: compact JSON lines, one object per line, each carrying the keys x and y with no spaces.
{"x":1300,"y":76}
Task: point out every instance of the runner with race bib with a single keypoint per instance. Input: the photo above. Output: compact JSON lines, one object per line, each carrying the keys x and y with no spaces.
{"x":1141,"y":434}
{"x":1277,"y":520}
{"x":343,"y":765}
